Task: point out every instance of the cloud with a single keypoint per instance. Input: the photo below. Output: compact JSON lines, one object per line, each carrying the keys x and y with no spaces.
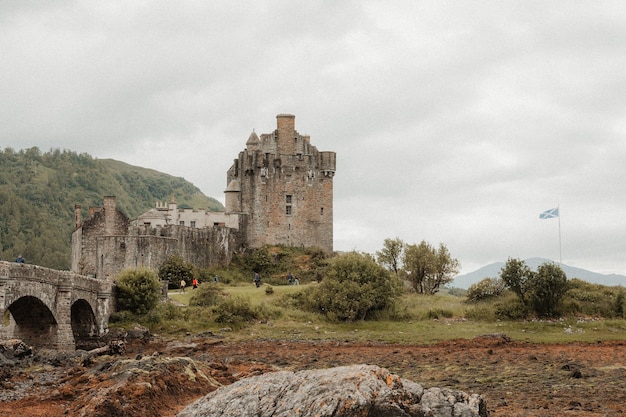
{"x":452,"y":122}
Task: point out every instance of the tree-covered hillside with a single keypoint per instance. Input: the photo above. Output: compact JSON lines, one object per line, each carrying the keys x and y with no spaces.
{"x":38,"y":192}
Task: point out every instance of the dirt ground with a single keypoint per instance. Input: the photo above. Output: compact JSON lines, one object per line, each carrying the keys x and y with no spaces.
{"x":517,"y":379}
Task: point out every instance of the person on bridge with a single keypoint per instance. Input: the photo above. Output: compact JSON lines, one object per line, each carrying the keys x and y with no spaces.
{"x":20,"y":259}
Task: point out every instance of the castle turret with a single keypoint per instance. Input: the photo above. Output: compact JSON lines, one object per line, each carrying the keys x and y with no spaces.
{"x":232,"y":197}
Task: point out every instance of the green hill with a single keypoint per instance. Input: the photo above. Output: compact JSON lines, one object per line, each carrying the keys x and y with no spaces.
{"x":38,"y":192}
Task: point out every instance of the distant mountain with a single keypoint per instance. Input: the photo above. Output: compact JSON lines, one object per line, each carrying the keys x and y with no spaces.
{"x":38,"y":192}
{"x":493,"y":271}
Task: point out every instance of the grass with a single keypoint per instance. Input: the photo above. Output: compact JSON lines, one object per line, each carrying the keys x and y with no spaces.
{"x":433,"y":318}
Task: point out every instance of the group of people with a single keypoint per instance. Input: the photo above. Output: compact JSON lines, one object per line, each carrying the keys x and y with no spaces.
{"x":291,"y":279}
{"x":194,"y":283}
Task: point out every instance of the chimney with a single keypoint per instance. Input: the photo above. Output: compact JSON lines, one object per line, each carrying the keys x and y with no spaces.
{"x":109,"y":214}
{"x":77,"y":214}
{"x":286,"y":134}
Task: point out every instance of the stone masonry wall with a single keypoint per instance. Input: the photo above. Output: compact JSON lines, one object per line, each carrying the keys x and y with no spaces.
{"x":286,"y":189}
{"x":41,"y":300}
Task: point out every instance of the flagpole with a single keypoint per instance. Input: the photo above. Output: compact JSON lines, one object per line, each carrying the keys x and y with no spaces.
{"x":560,"y":252}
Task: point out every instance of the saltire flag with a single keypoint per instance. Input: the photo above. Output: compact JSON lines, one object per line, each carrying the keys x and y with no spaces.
{"x":549,"y":214}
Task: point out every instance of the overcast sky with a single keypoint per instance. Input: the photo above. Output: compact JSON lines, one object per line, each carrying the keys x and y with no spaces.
{"x":453,"y":121}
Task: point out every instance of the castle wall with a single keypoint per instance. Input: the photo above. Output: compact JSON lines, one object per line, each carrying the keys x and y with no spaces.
{"x":99,"y":253}
{"x":279,"y":191}
{"x":104,"y":221}
{"x":150,"y":247}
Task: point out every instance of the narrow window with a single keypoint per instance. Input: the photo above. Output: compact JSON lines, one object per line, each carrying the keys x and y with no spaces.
{"x":321,"y":211}
{"x":181,"y":223}
{"x":288,"y":210}
{"x":288,"y":199}
{"x":193,"y":223}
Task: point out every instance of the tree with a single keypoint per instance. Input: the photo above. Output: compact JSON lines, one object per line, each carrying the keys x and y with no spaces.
{"x":419,"y":263}
{"x":390,"y":255}
{"x":138,"y":290}
{"x":517,"y":276}
{"x":548,"y":287}
{"x":354,"y":288}
{"x":446,"y":267}
{"x":176,"y":269}
{"x":427,"y":268}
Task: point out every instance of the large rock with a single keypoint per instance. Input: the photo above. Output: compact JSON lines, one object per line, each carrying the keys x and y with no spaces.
{"x":139,"y":387}
{"x":348,"y":391}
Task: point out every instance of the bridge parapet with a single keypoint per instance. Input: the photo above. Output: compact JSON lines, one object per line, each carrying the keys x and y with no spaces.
{"x":74,"y":306}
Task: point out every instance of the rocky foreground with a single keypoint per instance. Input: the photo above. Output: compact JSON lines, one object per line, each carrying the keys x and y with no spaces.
{"x":201,"y":375}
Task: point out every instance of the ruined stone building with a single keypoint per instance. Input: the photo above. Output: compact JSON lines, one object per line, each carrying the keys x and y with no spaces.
{"x":279,"y":191}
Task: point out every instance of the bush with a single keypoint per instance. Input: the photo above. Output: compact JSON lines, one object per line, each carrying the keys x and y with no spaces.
{"x":354,"y":288}
{"x":437,"y":313}
{"x":235,"y":309}
{"x":548,"y":287}
{"x":486,"y":289}
{"x":174,"y":270}
{"x":481,"y":312}
{"x":122,"y":317}
{"x":205,"y":295}
{"x":138,"y":290}
{"x":584,"y":298}
{"x":618,"y":306}
{"x":224,"y":275}
{"x":511,"y":309}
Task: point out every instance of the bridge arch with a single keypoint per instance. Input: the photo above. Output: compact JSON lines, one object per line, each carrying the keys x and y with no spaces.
{"x":33,"y":322}
{"x":84,"y":325}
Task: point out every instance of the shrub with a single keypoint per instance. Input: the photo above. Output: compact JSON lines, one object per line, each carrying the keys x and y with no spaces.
{"x":354,"y":288}
{"x":234,"y":309}
{"x":584,"y":298}
{"x":269,"y":290}
{"x":511,"y":309}
{"x":138,"y":290}
{"x":205,"y":295}
{"x":437,"y":313}
{"x":122,"y":317}
{"x":481,"y":312}
{"x":618,"y":307}
{"x":486,"y":289}
{"x":224,"y":275}
{"x":548,"y":287}
{"x":174,"y":270}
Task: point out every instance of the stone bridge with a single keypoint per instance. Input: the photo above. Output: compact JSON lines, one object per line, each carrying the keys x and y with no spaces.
{"x":53,"y":309}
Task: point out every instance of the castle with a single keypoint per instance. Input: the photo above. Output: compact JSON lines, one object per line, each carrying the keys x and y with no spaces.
{"x":279,"y":191}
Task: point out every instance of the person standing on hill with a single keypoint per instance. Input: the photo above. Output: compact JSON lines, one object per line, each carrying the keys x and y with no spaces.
{"x":20,"y":259}
{"x":183,"y":284}
{"x":257,"y":279}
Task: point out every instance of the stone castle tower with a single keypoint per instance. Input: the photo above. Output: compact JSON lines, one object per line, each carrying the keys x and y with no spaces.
{"x":284,"y":186}
{"x":279,"y":191}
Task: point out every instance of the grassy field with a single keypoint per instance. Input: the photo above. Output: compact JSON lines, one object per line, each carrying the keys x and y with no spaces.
{"x":434,"y":318}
